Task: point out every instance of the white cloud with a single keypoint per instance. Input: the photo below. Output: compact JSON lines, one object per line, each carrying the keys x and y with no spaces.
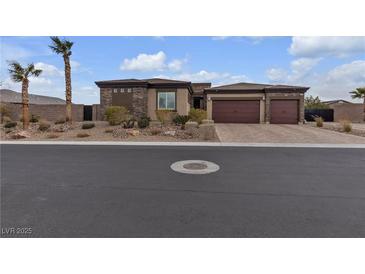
{"x":220,"y":38}
{"x":48,"y":70}
{"x":333,"y":84}
{"x":151,"y":62}
{"x":12,"y":52}
{"x":176,"y":65}
{"x":276,"y":74}
{"x":145,"y":62}
{"x":215,"y":77}
{"x":321,"y":46}
{"x":301,"y":67}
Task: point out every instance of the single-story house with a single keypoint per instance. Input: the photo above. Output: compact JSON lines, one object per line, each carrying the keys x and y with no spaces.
{"x":235,"y":103}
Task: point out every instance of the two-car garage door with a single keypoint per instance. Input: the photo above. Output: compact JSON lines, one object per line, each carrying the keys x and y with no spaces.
{"x":248,"y":111}
{"x":236,"y":111}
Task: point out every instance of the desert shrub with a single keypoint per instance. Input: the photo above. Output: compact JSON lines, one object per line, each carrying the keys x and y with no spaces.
{"x":144,"y":122}
{"x":10,"y":124}
{"x":108,"y":130}
{"x":4,"y":111}
{"x":346,"y":125}
{"x":34,"y":118}
{"x":165,"y":116}
{"x":52,"y":136}
{"x":181,"y":119}
{"x":197,"y":115}
{"x":155,"y":131}
{"x":82,"y":135}
{"x":60,"y":121}
{"x":44,"y":126}
{"x":88,"y":125}
{"x":128,"y":123}
{"x":115,"y":115}
{"x":6,"y":119}
{"x":319,"y":121}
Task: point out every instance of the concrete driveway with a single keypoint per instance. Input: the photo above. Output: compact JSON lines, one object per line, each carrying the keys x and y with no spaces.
{"x":263,"y":133}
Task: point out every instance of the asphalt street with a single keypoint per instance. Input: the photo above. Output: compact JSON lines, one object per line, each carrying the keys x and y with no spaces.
{"x":130,"y":191}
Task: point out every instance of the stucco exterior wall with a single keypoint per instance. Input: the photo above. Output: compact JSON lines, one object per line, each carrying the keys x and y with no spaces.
{"x":182,"y":101}
{"x":258,"y":96}
{"x":46,"y":112}
{"x":151,"y":103}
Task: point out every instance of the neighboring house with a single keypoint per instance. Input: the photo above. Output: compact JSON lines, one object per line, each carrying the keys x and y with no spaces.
{"x":11,"y":96}
{"x":345,"y":110}
{"x":336,"y":102}
{"x":236,"y":103}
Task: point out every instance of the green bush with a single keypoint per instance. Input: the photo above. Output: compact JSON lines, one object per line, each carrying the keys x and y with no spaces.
{"x":144,"y":122}
{"x":319,"y":121}
{"x":87,"y":125}
{"x":197,"y":115}
{"x":181,"y":119}
{"x":60,"y":121}
{"x":165,"y":116}
{"x":44,"y":126}
{"x":10,"y":124}
{"x":109,"y":130}
{"x":115,"y":115}
{"x":34,"y":118}
{"x":82,"y":135}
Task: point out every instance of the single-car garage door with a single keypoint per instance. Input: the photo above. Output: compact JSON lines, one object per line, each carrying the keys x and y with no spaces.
{"x":284,"y":111}
{"x":236,"y":111}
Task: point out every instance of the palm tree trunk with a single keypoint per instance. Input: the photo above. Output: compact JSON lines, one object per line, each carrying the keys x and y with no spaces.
{"x":25,"y":102}
{"x":68,"y":89}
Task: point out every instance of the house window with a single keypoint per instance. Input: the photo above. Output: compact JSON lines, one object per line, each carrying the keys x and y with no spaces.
{"x":115,"y":90}
{"x":166,"y":100}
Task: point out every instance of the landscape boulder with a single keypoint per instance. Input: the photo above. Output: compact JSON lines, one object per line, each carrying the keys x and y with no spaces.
{"x":190,"y":124}
{"x":20,"y":135}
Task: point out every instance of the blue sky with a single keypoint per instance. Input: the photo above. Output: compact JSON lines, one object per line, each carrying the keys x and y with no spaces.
{"x":331,"y":66}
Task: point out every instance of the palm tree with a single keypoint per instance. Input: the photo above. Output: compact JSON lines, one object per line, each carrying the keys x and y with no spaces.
{"x":359,"y":93}
{"x":63,"y":47}
{"x":21,"y":74}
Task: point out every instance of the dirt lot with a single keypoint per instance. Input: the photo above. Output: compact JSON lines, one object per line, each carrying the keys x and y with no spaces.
{"x":104,"y":132}
{"x":265,"y":133}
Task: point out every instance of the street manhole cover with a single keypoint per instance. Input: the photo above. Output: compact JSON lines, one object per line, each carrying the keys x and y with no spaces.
{"x":194,"y":167}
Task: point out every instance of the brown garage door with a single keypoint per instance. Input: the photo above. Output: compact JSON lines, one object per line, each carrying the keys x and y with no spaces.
{"x":284,"y":111}
{"x":236,"y":111}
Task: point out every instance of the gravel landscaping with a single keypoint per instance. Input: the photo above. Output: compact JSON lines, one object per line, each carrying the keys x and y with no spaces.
{"x":102,"y":131}
{"x":357,"y":128}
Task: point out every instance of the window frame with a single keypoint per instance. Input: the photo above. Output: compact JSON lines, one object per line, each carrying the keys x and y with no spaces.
{"x":158,"y":96}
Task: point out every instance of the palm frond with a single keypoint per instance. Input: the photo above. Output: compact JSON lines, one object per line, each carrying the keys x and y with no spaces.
{"x":61,"y":46}
{"x":16,"y":71}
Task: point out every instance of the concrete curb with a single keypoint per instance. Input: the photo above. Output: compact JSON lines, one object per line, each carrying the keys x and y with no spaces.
{"x":204,"y":144}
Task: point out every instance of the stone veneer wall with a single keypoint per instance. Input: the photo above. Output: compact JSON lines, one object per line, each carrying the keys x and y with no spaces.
{"x":139,"y":103}
{"x":105,"y":101}
{"x":140,"y":98}
{"x":283,"y":95}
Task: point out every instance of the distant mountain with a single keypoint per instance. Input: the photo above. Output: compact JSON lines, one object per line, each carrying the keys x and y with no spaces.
{"x":11,"y":96}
